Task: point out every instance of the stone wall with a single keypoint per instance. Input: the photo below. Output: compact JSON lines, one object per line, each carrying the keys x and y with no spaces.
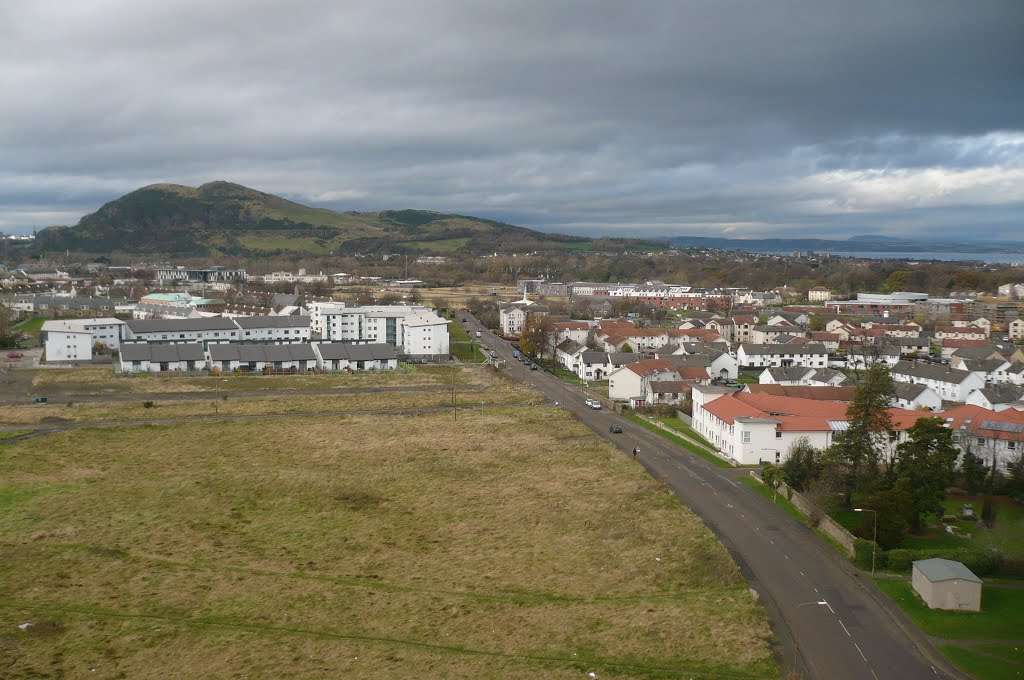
{"x":826,"y":524}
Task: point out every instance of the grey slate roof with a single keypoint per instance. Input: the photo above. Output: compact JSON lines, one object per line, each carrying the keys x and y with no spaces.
{"x":212,"y":323}
{"x":938,"y":569}
{"x":809,"y":348}
{"x":975,"y":353}
{"x":1003,"y":394}
{"x":340,"y":351}
{"x":250,"y":322}
{"x":569,"y":346}
{"x":909,"y":391}
{"x":262,"y":353}
{"x":931,"y":372}
{"x":144,"y":351}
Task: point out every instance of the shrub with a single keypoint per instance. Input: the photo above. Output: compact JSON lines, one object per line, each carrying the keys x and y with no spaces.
{"x":148,"y":404}
{"x":981,"y":562}
{"x":862,"y":554}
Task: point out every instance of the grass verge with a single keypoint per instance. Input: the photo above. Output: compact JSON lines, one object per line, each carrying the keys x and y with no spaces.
{"x":689,"y":446}
{"x":773,"y":497}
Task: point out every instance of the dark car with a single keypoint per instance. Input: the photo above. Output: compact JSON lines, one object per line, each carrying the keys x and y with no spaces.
{"x":615,"y":429}
{"x":534,"y":367}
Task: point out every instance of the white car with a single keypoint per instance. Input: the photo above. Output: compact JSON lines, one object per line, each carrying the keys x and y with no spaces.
{"x":594,"y":403}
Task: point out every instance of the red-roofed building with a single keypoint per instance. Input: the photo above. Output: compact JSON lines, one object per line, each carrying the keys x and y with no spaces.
{"x":629,"y":383}
{"x":749,"y":427}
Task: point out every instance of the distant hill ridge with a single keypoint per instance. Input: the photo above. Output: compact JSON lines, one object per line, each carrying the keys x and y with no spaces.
{"x":231,"y":219}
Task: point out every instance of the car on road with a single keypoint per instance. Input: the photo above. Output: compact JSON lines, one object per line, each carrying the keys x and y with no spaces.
{"x":15,"y":355}
{"x":615,"y":429}
{"x":594,"y":404}
{"x":534,"y":367}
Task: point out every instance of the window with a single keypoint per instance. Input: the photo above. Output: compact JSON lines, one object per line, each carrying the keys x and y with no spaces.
{"x":746,"y":437}
{"x":778,"y":434}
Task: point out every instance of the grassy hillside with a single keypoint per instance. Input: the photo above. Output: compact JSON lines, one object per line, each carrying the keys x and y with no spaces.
{"x":229,"y":219}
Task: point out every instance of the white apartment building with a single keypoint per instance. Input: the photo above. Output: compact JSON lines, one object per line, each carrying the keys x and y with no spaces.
{"x":412,"y":330}
{"x":204,"y":330}
{"x":811,"y":355}
{"x":65,"y":341}
{"x":1015,"y":329}
{"x":273,"y":329}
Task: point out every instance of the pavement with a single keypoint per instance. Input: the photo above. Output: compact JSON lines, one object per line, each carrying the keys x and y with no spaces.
{"x":830,"y":620}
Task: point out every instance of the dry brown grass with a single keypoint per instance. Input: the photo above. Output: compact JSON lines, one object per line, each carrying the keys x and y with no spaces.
{"x":121,"y":411}
{"x":93,"y":380}
{"x":515,"y":545}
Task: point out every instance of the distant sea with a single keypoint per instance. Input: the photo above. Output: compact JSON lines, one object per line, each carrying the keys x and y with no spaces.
{"x":1004,"y":258}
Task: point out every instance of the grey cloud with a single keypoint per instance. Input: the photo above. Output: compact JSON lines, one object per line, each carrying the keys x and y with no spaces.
{"x":548,"y":113}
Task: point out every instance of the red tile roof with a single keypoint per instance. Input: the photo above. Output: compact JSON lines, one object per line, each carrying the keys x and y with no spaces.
{"x":651,"y":366}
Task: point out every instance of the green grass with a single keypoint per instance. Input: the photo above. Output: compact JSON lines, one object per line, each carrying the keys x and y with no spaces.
{"x":13,"y":433}
{"x":31,"y":325}
{"x":981,"y":666}
{"x":448,"y":245}
{"x":677,"y":424}
{"x":779,"y":499}
{"x":300,"y":244}
{"x":1001,"y":615}
{"x":689,"y":446}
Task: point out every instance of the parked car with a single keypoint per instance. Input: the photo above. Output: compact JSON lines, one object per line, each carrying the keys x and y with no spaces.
{"x":615,"y":429}
{"x":14,"y":355}
{"x":594,"y":404}
{"x":534,"y":367}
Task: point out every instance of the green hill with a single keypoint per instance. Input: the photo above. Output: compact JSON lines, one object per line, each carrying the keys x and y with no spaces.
{"x":224,"y":218}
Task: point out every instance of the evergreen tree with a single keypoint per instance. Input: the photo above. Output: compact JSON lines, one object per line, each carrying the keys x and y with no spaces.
{"x":924,"y":468}
{"x":973,"y":471}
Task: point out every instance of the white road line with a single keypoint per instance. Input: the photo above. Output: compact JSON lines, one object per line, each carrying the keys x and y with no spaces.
{"x":771,"y":541}
{"x":873,"y":673}
{"x":815,"y":590}
{"x":785,"y":555}
{"x":861,"y":653}
{"x":803,"y":574}
{"x":829,"y":606}
{"x":844,"y":628}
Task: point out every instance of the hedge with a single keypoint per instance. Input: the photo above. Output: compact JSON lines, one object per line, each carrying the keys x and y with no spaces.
{"x":980,"y":562}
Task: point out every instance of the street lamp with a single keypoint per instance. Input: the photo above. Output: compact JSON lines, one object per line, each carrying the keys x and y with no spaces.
{"x":874,"y":536}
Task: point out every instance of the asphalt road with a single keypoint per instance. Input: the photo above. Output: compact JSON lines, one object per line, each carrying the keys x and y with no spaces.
{"x":829,"y":619}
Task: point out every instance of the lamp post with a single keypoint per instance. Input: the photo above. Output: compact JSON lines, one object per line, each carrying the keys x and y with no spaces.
{"x":874,"y":536}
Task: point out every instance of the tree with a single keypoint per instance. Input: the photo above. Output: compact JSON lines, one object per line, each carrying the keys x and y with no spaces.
{"x":893,"y":507}
{"x":772,"y":475}
{"x":859,"y":449}
{"x":898,"y":280}
{"x":802,"y":464}
{"x":973,"y":471}
{"x":1015,"y":477}
{"x":925,"y":465}
{"x":817,"y":323}
{"x":536,"y":335}
{"x":626,"y":347}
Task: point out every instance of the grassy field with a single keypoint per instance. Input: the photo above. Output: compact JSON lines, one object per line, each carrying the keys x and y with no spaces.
{"x":679,"y":425}
{"x":101,"y":380}
{"x":989,"y":642}
{"x":79,"y":412}
{"x":517,"y":545}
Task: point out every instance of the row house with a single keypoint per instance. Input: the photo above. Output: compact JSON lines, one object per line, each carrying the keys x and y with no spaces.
{"x":996,"y":436}
{"x":75,"y":339}
{"x":949,"y":383}
{"x":719,"y":365}
{"x":763,"y":356}
{"x":766,"y":335}
{"x":411,"y":329}
{"x":1015,"y":329}
{"x":797,"y":375}
{"x":829,"y":340}
{"x":744,"y":326}
{"x":961,"y":333}
{"x":569,"y":354}
{"x":142,"y":357}
{"x":859,"y":357}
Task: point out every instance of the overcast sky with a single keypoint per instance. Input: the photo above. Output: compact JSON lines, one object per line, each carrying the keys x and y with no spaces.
{"x":813,"y":118}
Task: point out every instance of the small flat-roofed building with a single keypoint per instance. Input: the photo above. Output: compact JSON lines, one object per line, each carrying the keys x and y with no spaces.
{"x":946,"y":584}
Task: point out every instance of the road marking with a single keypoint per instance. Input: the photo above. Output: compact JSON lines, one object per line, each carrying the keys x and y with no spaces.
{"x":875,"y":676}
{"x":829,"y":606}
{"x":771,"y":541}
{"x":802,"y":573}
{"x":815,"y":590}
{"x":844,"y":628}
{"x":861,"y":653}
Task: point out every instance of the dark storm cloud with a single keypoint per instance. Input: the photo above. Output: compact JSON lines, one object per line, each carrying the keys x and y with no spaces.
{"x":738,"y":117}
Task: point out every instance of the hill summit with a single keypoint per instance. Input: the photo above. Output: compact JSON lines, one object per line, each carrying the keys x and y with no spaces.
{"x":231,"y":219}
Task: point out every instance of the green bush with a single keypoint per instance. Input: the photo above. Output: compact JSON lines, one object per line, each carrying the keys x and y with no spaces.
{"x":862,"y":554}
{"x":981,"y":562}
